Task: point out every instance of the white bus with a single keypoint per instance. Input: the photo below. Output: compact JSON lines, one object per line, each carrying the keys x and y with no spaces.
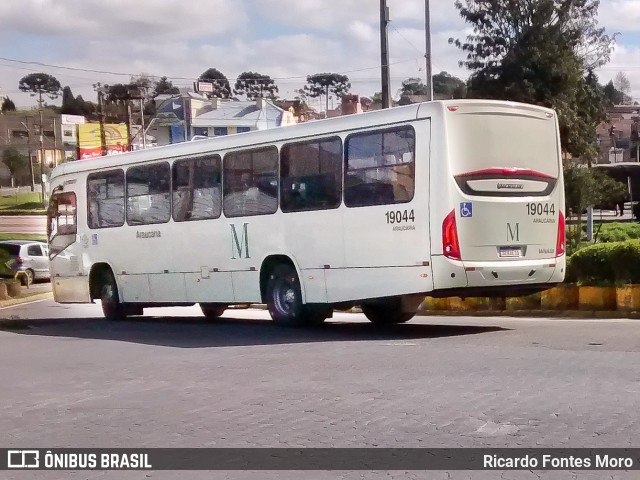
{"x":443,"y":198}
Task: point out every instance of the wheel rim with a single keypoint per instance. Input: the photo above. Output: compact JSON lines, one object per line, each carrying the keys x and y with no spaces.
{"x":108,"y":297}
{"x":285,"y":296}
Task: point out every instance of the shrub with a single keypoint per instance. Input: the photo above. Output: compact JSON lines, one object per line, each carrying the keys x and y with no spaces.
{"x":625,"y":261}
{"x":591,"y":265}
{"x":605,"y":264}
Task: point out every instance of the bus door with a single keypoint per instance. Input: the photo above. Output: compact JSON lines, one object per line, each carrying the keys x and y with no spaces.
{"x":386,"y":219}
{"x":148,"y":264}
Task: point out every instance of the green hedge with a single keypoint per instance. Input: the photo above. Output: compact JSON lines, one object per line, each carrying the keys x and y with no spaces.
{"x":614,"y":263}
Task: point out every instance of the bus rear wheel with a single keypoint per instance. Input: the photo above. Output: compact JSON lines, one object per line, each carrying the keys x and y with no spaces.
{"x":387,"y":313}
{"x":212,"y":310}
{"x":284,"y":300}
{"x":111,"y":306}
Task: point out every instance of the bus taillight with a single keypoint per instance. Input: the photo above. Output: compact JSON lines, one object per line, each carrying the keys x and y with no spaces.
{"x":450,"y":244}
{"x":560,"y":242}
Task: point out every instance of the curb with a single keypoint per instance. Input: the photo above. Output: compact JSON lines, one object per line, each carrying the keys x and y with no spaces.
{"x":25,"y":298}
{"x":577,"y":314}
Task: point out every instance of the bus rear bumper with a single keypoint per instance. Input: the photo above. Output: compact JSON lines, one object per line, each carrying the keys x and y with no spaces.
{"x":519,"y":277}
{"x":480,"y":274}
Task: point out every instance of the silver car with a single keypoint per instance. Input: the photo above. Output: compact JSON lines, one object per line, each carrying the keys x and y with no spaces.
{"x":26,"y":256}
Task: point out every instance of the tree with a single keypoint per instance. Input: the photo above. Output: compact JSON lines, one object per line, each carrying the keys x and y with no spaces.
{"x":613,"y":96}
{"x":410,"y":88}
{"x":144,"y":84}
{"x":8,"y":105}
{"x":326,"y":83}
{"x":221,"y":87}
{"x":585,"y":187}
{"x":623,"y":85}
{"x":40,"y":84}
{"x":254,"y":85}
{"x":446,"y":85}
{"x":539,"y":52}
{"x":164,"y":87}
{"x":17,"y":164}
{"x":69,"y":104}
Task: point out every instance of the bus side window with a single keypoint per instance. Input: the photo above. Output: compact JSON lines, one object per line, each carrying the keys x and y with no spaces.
{"x":105,"y":198}
{"x":250,"y":182}
{"x":148,"y":194}
{"x":311,"y":175}
{"x":197,"y":192}
{"x":379,"y":167}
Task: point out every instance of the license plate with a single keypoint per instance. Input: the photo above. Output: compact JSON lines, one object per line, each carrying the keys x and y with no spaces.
{"x":510,"y":252}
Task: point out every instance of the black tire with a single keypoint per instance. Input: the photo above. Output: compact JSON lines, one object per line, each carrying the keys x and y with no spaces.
{"x":111,"y":306}
{"x":284,"y":300}
{"x":212,"y":310}
{"x":27,"y":278}
{"x":387,"y":313}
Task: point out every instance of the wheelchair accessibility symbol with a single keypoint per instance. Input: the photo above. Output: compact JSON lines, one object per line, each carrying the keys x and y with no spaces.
{"x":466,"y":209}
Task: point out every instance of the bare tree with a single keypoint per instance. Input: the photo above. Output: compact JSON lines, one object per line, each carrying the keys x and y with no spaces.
{"x":623,"y":85}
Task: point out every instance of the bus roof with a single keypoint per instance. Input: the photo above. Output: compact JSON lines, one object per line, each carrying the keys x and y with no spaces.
{"x":287,"y":133}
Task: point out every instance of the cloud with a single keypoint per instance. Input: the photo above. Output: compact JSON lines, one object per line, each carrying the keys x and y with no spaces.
{"x":139,"y":20}
{"x":619,"y":15}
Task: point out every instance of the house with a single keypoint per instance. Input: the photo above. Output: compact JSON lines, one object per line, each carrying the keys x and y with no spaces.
{"x":617,"y":137}
{"x":212,"y":117}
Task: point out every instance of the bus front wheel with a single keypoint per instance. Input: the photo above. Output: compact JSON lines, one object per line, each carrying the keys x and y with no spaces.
{"x":111,"y":306}
{"x":284,"y":299}
{"x":387,"y":313}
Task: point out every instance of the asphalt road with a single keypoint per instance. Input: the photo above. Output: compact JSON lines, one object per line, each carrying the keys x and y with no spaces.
{"x":23,"y":224}
{"x":71,"y":379}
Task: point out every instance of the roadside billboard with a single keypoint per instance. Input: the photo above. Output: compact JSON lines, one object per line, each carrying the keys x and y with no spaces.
{"x":89,"y":145}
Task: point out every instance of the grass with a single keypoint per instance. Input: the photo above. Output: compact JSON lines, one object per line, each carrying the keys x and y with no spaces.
{"x":23,"y":236}
{"x":27,"y":201}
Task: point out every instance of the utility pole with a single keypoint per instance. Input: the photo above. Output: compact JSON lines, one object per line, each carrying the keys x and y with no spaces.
{"x":26,"y":124}
{"x":427,"y":55}
{"x":384,"y":55}
{"x":42,"y":186}
{"x":103,"y":142}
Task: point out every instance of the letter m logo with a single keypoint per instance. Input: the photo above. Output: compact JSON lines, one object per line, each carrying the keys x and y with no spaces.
{"x":239,"y":244}
{"x":513,"y":235}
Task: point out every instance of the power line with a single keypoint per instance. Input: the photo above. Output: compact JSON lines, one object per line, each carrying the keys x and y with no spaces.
{"x":106,"y":72}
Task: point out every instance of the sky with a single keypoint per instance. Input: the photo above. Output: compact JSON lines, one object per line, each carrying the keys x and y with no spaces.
{"x":82,"y":42}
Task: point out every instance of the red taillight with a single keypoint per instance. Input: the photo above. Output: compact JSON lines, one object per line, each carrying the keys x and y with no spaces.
{"x":505,"y":172}
{"x":450,"y":244}
{"x":560,"y":242}
{"x":19,"y":260}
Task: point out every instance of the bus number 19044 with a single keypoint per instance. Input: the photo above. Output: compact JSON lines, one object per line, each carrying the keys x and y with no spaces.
{"x":539,"y":209}
{"x":400,"y":216}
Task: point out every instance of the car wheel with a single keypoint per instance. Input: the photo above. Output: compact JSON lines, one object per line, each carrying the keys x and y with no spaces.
{"x":27,"y":277}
